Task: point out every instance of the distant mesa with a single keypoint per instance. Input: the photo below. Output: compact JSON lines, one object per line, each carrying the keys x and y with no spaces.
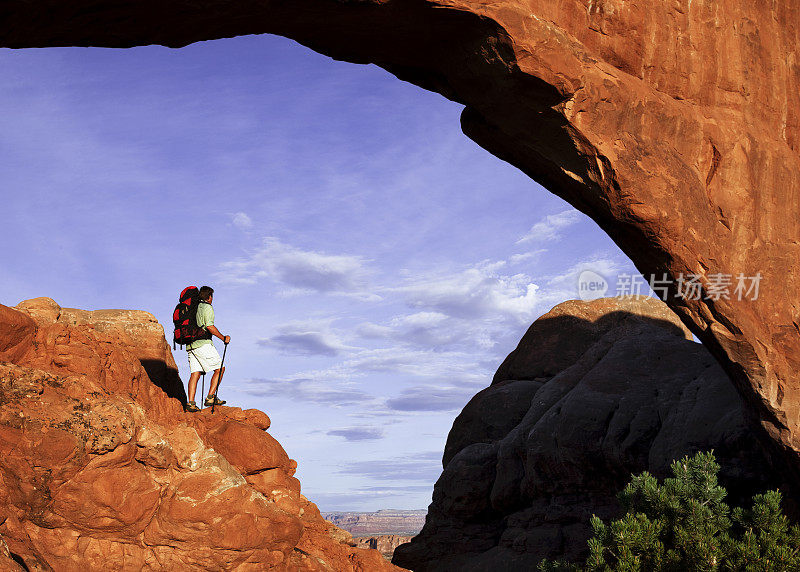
{"x":383,"y":543}
{"x":383,"y":530}
{"x":382,"y":522}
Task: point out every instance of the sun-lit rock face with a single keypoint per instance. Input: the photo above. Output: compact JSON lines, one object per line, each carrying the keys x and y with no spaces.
{"x":675,"y":125}
{"x":100,"y":468}
{"x":532,"y":457}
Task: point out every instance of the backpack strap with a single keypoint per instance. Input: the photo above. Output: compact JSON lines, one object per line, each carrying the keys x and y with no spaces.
{"x":207,"y":335}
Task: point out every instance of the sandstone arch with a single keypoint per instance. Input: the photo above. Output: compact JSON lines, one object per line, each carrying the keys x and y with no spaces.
{"x":675,"y":125}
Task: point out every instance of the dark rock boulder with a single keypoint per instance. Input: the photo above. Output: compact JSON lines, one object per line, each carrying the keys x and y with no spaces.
{"x":529,"y":461}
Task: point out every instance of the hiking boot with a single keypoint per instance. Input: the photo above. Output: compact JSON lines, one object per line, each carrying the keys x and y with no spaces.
{"x":191,"y":407}
{"x":213,"y":400}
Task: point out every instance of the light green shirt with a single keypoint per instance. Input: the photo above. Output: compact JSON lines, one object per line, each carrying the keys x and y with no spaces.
{"x":205,"y":318}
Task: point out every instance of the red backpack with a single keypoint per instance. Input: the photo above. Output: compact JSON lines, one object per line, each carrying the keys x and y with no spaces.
{"x":185,"y":318}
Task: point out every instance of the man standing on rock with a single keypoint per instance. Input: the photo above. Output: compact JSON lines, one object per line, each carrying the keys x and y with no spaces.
{"x":203,"y":356}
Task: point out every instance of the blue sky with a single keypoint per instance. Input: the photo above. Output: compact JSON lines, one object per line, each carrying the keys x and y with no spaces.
{"x":372,"y":265}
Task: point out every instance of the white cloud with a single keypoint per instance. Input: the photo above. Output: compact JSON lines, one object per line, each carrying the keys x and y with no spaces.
{"x":444,"y":349}
{"x":429,"y":364}
{"x":525,"y":256}
{"x":426,"y":467}
{"x":548,"y":228}
{"x":342,"y":384}
{"x":304,"y":270}
{"x":374,"y":331}
{"x":564,"y":286}
{"x":365,"y":498}
{"x":242,"y":221}
{"x":434,"y":398}
{"x":566,"y":283}
{"x":476,"y":308}
{"x":306,"y":338}
{"x":358,"y":433}
{"x":311,"y":389}
{"x":430,"y":331}
{"x":474,"y":293}
{"x":421,"y":319}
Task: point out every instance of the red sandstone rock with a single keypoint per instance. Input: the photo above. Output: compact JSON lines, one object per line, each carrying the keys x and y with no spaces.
{"x":675,"y":125}
{"x":134,"y":330}
{"x":17,"y":334}
{"x":249,"y":449}
{"x":7,"y":561}
{"x":100,"y":468}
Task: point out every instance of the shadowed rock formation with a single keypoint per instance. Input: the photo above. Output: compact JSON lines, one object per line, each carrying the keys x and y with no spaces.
{"x":595,"y":391}
{"x":674,"y":125}
{"x":100,"y":468}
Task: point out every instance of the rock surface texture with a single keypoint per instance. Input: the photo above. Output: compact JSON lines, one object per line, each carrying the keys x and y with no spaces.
{"x":595,"y":391}
{"x":100,"y":468}
{"x":673,"y":124}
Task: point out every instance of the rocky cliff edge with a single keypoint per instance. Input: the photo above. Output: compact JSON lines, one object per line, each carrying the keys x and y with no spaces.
{"x":100,"y":468}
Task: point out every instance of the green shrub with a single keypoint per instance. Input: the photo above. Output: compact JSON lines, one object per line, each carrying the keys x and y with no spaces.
{"x":684,"y":525}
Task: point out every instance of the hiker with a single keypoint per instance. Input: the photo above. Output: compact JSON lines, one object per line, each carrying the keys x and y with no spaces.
{"x":203,"y":356}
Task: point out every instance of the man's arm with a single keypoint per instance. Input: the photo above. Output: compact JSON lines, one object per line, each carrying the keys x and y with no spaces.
{"x":215,"y":332}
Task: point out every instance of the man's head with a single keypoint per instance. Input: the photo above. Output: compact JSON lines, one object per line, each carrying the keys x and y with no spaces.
{"x":206,"y":292}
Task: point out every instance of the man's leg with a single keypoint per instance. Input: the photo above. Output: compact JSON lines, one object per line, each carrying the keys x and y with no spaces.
{"x":214,"y":382}
{"x":193,"y":384}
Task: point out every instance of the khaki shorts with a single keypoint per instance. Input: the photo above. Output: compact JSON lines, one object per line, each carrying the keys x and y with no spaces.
{"x":204,"y":359}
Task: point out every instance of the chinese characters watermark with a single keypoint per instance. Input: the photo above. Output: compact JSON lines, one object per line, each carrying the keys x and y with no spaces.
{"x":714,"y":286}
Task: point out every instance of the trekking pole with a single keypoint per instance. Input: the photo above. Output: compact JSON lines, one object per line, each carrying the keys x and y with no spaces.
{"x":219,"y":381}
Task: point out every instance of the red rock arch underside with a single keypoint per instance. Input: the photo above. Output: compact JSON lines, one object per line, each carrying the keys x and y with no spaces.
{"x":674,"y":125}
